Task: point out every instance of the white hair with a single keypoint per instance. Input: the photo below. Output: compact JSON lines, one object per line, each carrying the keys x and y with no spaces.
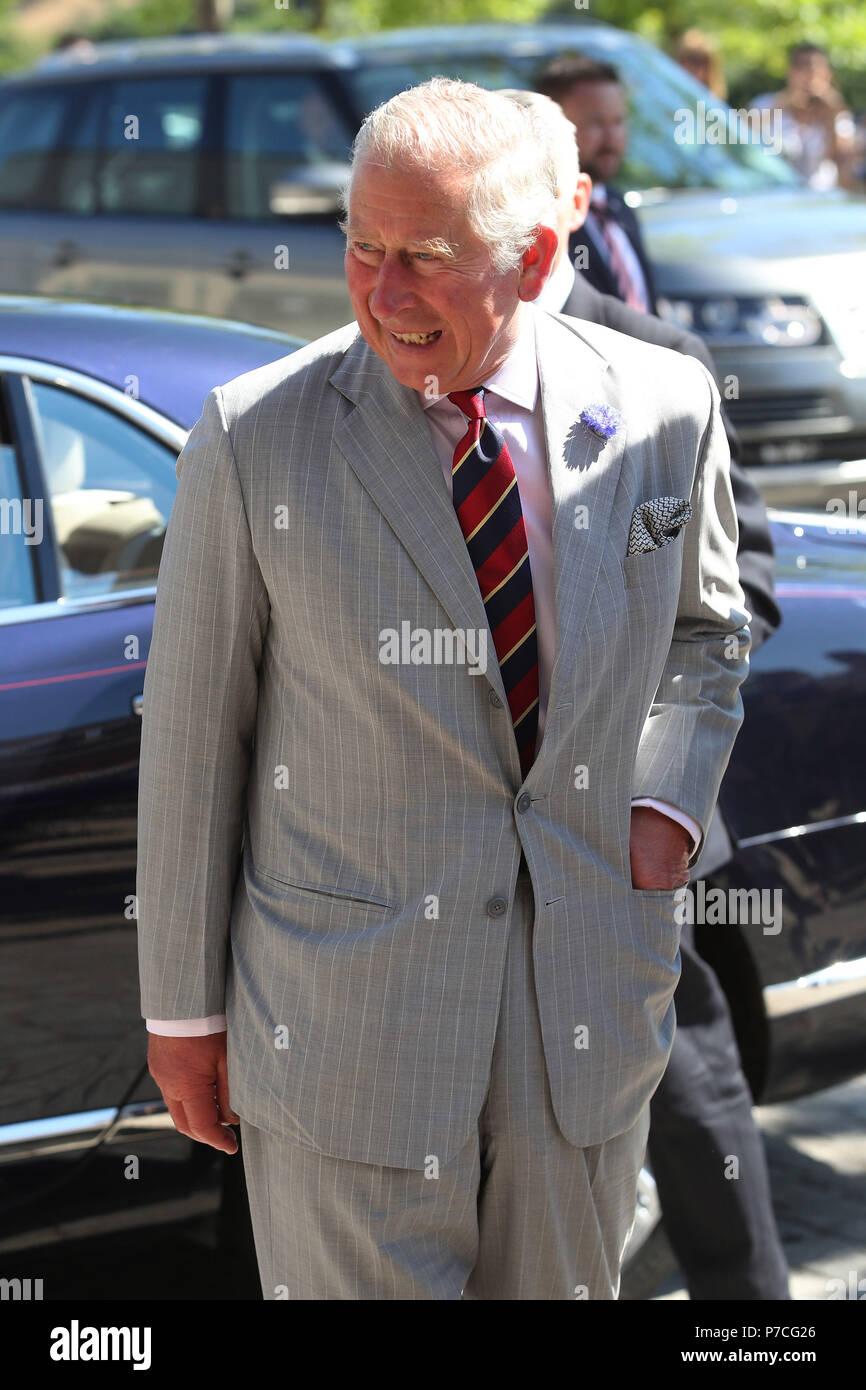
{"x":446,"y":126}
{"x":555,"y":133}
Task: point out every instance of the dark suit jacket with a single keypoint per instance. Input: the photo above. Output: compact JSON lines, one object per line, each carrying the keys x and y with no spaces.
{"x":597,"y":271}
{"x":755,"y":549}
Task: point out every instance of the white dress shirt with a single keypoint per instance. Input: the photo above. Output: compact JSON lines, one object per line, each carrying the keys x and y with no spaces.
{"x":512,"y":401}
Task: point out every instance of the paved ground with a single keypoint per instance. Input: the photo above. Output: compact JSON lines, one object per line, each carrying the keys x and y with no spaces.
{"x":816,"y":1150}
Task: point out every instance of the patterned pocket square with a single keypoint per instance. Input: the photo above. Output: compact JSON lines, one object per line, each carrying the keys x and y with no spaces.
{"x":657,"y":523}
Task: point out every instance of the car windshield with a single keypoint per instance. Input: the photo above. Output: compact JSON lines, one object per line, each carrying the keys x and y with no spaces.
{"x":658,"y":91}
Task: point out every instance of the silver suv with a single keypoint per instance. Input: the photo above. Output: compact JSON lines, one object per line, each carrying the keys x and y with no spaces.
{"x":201,"y":174}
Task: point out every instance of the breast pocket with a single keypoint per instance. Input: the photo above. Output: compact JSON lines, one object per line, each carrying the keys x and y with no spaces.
{"x":655,"y":569}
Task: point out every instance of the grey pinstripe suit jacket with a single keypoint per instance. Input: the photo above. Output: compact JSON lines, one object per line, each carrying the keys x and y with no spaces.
{"x":322,"y":837}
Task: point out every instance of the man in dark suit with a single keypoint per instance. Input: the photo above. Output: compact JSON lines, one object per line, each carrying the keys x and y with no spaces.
{"x":608,"y":247}
{"x":723,"y":1232}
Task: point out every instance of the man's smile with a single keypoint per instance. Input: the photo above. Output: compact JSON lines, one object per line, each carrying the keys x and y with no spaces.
{"x":417,"y":339}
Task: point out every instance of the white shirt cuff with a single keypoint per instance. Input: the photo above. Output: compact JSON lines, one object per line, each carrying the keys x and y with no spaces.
{"x":187,"y":1027}
{"x":681,"y":817}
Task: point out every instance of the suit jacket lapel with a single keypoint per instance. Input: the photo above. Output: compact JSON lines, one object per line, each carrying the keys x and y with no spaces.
{"x":388,"y":445}
{"x":584,"y":472}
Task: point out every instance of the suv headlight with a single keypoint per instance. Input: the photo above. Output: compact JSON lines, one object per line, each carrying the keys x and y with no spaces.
{"x":772,"y":321}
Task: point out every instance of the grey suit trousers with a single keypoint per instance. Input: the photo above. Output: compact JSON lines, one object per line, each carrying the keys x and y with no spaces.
{"x":518,"y":1213}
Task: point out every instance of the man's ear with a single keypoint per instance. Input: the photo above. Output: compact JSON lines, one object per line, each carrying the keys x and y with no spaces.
{"x":582,"y":195}
{"x":537,"y":263}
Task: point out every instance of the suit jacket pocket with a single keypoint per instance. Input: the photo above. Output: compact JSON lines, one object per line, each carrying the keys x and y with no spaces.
{"x":654,"y":567}
{"x":658,"y":917}
{"x":325,"y":893}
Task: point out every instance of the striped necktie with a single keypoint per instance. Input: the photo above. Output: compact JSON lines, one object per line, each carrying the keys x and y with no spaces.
{"x":630,"y":292}
{"x":487,"y":502}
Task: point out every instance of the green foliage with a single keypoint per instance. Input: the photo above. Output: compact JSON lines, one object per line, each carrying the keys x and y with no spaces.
{"x":14,"y":53}
{"x":151,"y":19}
{"x":754,"y":34}
{"x":363,"y":16}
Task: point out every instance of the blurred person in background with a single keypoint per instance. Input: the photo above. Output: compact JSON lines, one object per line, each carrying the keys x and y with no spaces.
{"x":723,"y":1233}
{"x":818,"y":132}
{"x":859,"y":159}
{"x":700,"y":54}
{"x":608,"y":247}
{"x":75,"y":43}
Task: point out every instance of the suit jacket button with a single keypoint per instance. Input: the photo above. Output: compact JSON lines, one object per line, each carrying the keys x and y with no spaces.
{"x":496,"y":907}
{"x":523,"y":802}
{"x":494,"y":699}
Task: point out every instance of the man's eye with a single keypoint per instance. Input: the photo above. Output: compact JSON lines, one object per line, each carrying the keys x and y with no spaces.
{"x":424,"y":256}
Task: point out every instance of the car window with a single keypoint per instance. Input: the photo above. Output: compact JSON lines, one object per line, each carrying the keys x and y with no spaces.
{"x":151,"y":136}
{"x":657,"y":90}
{"x":110,"y":487}
{"x":31,"y":122}
{"x":74,"y":187}
{"x":382,"y":81}
{"x":281,"y":130}
{"x":21,"y":529}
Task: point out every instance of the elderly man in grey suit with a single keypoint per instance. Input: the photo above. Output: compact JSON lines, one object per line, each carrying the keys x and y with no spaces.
{"x":444,"y":677}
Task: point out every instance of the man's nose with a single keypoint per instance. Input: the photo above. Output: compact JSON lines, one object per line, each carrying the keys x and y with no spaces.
{"x":393,"y":290}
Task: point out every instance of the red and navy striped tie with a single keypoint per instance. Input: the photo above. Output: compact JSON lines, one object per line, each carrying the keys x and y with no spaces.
{"x":487,"y":502}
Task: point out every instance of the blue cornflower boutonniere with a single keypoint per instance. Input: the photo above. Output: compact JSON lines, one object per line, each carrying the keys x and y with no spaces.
{"x":602,"y":420}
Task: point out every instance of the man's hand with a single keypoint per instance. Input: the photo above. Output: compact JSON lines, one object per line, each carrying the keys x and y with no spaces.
{"x":192,"y":1076}
{"x":660,"y":850}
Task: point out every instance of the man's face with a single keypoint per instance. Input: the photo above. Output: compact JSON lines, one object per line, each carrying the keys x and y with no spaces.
{"x":699,"y":65}
{"x":810,"y":74}
{"x":415,"y":267}
{"x":598,"y":110}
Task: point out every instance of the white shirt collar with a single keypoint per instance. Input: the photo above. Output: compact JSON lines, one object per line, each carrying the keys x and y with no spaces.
{"x":517,"y":379}
{"x":557,"y":288}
